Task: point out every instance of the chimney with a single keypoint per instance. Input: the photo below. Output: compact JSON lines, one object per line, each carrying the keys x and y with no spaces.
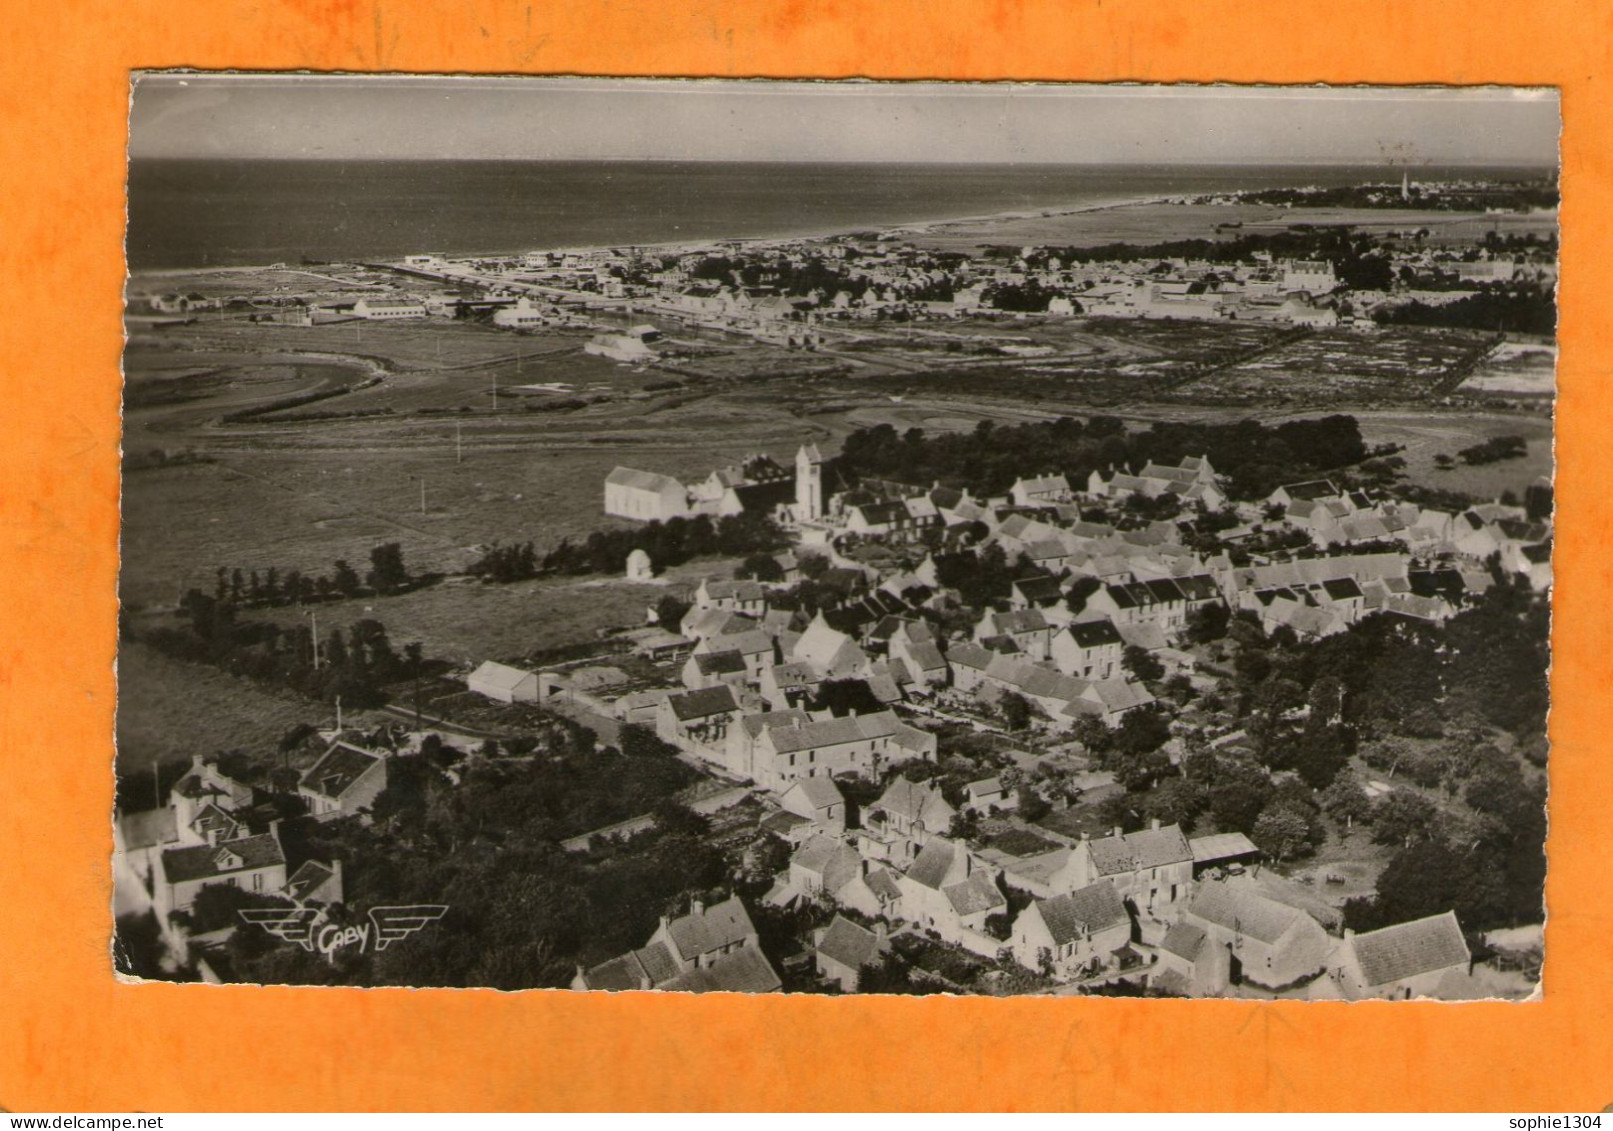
{"x":1153,"y":823}
{"x":664,"y":924}
{"x":1116,"y":831}
{"x":1349,"y":933}
{"x":879,"y":933}
{"x":697,"y":908}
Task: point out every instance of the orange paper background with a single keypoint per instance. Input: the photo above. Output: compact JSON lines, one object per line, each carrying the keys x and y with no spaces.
{"x":71,"y":1039}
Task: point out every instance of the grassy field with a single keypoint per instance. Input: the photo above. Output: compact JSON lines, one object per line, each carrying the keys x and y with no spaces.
{"x":468,"y":623}
{"x":168,"y":710}
{"x":1429,"y":434}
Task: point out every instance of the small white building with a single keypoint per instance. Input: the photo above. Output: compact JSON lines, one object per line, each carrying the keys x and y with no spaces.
{"x":388,"y":310}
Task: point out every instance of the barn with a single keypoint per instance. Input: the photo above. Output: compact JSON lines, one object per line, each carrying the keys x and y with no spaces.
{"x":504,"y":683}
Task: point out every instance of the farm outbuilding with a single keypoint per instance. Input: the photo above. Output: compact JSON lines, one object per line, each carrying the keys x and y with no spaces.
{"x":504,"y":683}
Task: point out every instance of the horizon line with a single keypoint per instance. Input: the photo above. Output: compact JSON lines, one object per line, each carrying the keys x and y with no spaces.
{"x":1360,"y":164}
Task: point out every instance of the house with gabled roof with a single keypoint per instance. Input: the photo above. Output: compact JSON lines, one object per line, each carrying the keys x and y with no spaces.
{"x":1157,"y":600}
{"x":1029,"y":629}
{"x":830,"y":653}
{"x":1259,"y":939}
{"x":204,"y":787}
{"x":822,"y":866}
{"x":755,"y":648}
{"x":1407,"y":960}
{"x":699,"y":624}
{"x":865,"y":745}
{"x":255,"y":863}
{"x":1188,"y":964}
{"x":748,"y":597}
{"x":948,"y":891}
{"x":1076,"y":932}
{"x":344,"y":782}
{"x":1108,"y":699}
{"x":712,"y":948}
{"x":315,"y":882}
{"x":789,"y":685}
{"x":1088,"y":649}
{"x":1040,"y":490}
{"x":988,"y":795}
{"x":707,"y":669}
{"x":1043,"y":593}
{"x":914,"y":646}
{"x":698,"y":721}
{"x":843,"y":949}
{"x":1152,"y":868}
{"x":819,"y":800}
{"x":903,"y":820}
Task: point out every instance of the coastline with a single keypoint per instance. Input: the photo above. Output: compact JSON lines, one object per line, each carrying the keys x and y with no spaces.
{"x":685,"y":246}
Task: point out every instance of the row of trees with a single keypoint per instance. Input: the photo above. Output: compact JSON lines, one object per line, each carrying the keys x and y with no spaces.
{"x":245,"y":589}
{"x":668,"y":543}
{"x":1526,"y":308}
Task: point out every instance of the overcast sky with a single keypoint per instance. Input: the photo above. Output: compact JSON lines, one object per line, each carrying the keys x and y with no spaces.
{"x":389,"y":117}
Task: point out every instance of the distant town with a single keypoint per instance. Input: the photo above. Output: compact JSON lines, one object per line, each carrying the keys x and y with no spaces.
{"x":1211,"y":661}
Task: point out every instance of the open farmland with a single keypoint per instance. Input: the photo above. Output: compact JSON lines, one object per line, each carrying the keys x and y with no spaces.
{"x":426,"y":344}
{"x":1346,"y":367}
{"x":169,"y":710}
{"x":465,"y":622}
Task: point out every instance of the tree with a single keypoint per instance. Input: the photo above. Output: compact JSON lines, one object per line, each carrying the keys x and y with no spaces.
{"x":1142,"y":664}
{"x":1176,"y":801}
{"x":1142,"y":731}
{"x":1402,"y":818}
{"x":1080,"y":590}
{"x":1208,"y":622}
{"x":1322,"y":752}
{"x":1016,"y":710}
{"x":760,"y":567}
{"x":1280,"y":831}
{"x":1238,"y":794}
{"x":1092,"y":733}
{"x":1344,"y":800}
{"x":1179,"y":689}
{"x":387,"y":571}
{"x":1032,"y":805}
{"x":1137,"y":770}
{"x":670,"y":611}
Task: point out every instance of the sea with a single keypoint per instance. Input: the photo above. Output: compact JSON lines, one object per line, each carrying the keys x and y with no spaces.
{"x":189,"y":213}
